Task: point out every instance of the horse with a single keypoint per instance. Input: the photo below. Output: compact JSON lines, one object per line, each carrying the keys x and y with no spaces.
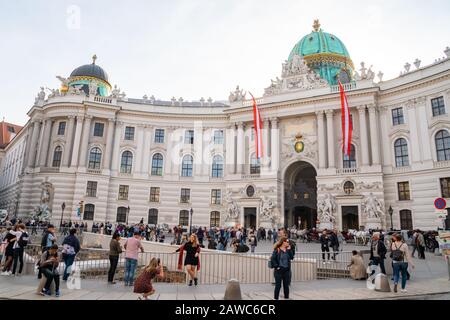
{"x":361,"y":237}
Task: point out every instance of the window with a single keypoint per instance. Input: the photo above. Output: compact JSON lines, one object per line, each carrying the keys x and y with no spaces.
{"x":215,"y":219}
{"x":216,"y":196}
{"x":442,"y":140}
{"x":121,"y":214}
{"x":89,"y":210}
{"x":255,"y":166}
{"x":397,"y":116}
{"x":445,"y":187}
{"x":129,"y":133}
{"x":159,"y":136}
{"x":349,"y":187}
{"x":186,"y":166}
{"x":217,"y":167}
{"x":154,"y":194}
{"x":189,"y":137}
{"x":123,"y":192}
{"x":185,"y":195}
{"x":406,"y":220}
{"x":401,"y":153}
{"x":438,"y":106}
{"x":57,"y":154}
{"x":184,"y":218}
{"x":91,"y":189}
{"x":153,"y":216}
{"x":61,"y":128}
{"x":350,"y":160}
{"x":218,"y":137}
{"x":95,"y":158}
{"x":157,"y":165}
{"x":126,"y":163}
{"x":98,"y":129}
{"x":403,"y":191}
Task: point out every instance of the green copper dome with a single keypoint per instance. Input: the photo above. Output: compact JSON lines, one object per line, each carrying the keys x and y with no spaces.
{"x":326,"y":54}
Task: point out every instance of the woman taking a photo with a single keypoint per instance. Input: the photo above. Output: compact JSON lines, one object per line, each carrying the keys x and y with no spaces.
{"x":191,"y":261}
{"x":143,"y":284}
{"x":114,"y":252}
{"x":281,"y":263}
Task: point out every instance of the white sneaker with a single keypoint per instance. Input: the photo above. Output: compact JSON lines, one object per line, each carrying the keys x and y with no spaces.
{"x":404,"y":291}
{"x":9,"y":273}
{"x":4,"y":273}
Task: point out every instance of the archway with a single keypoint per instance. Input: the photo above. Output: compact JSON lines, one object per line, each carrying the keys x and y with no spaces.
{"x":300,"y":195}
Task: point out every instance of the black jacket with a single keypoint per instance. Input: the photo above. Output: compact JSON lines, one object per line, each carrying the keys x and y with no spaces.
{"x":381,"y":250}
{"x":334,"y":242}
{"x":324,"y":240}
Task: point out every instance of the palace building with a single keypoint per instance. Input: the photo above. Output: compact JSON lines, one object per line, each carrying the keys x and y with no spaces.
{"x":109,"y":157}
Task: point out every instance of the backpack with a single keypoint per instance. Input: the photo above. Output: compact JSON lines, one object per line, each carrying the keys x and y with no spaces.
{"x":397,"y":254}
{"x":23,"y":240}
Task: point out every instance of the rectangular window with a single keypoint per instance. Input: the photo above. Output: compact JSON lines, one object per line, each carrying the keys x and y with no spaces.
{"x":91,"y":189}
{"x":98,"y":129}
{"x":445,"y":187}
{"x":154,"y":194}
{"x":189,"y":137}
{"x":159,"y":136}
{"x":216,"y":196}
{"x":218,"y":137}
{"x":61,"y":128}
{"x":397,"y":116}
{"x":438,"y":106}
{"x":184,"y":218}
{"x":185,"y":195}
{"x":123,"y":192}
{"x":129,"y":133}
{"x":403,"y":191}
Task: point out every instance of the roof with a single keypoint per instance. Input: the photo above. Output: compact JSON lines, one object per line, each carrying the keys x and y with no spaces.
{"x":7,"y":132}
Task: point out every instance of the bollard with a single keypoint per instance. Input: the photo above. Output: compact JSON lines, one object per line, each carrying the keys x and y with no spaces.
{"x":233,"y":290}
{"x":382,"y":283}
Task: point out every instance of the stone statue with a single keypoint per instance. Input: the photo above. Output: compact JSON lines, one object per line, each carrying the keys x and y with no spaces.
{"x":326,"y":208}
{"x":372,"y":207}
{"x":266,"y":209}
{"x":115,"y":93}
{"x":75,"y":90}
{"x":237,"y":95}
{"x":370,"y":74}
{"x":363,"y":70}
{"x":3,"y":216}
{"x":232,"y":208}
{"x":43,"y":212}
{"x":40,"y":96}
{"x":93,"y":89}
{"x":54,"y":93}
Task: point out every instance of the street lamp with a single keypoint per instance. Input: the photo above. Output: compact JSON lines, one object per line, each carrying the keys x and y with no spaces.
{"x":128,"y":213}
{"x":391,"y":211}
{"x":191,"y":212}
{"x":63,"y":206}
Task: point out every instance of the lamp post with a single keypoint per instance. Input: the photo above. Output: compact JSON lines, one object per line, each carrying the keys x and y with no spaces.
{"x":128,"y":213}
{"x":391,"y":211}
{"x":63,"y":206}
{"x":191,"y":212}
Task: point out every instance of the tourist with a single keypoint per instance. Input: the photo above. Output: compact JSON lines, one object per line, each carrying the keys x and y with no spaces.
{"x":377,"y":252}
{"x":71,"y":246}
{"x":420,"y":243}
{"x":114,"y":252}
{"x":334,"y":243}
{"x":324,"y":245}
{"x":238,"y":247}
{"x":19,"y":247}
{"x":143,"y":284}
{"x":269,"y":234}
{"x":192,"y":259}
{"x":253,"y":242}
{"x":413,"y":243}
{"x":356,"y":266}
{"x":281,"y":262}
{"x":132,"y":246}
{"x":48,"y":265}
{"x":212,"y":245}
{"x":222,"y":244}
{"x":274,"y":235}
{"x":10,"y":240}
{"x":400,"y":259}
{"x":49,"y":238}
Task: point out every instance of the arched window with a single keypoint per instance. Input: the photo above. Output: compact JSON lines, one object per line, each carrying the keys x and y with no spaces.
{"x":89,"y":210}
{"x":186,"y":166}
{"x":95,"y":158}
{"x":127,"y":162}
{"x":57,"y":155}
{"x":157,"y":165}
{"x":406,"y":222}
{"x":184,"y":218}
{"x":217,"y":167}
{"x":350,"y":160}
{"x":401,"y":153}
{"x":153,"y":216}
{"x":121,"y":215}
{"x":442,"y":140}
{"x":255,"y":166}
{"x":214,"y":219}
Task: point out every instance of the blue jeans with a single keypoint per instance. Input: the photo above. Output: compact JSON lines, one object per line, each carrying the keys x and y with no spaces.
{"x":68,"y":261}
{"x":130,"y":267}
{"x":403,"y":268}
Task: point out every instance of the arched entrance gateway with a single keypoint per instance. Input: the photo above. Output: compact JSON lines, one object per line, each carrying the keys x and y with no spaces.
{"x":300,"y":195}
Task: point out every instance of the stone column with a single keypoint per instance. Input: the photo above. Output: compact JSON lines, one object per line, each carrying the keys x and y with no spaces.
{"x":386,"y":149}
{"x":230,"y":149}
{"x":275,"y":145}
{"x":423,"y":129}
{"x":45,"y":142}
{"x":140,"y":147}
{"x":198,"y":150}
{"x":76,"y":142}
{"x":53,"y":132}
{"x":116,"y":147}
{"x":363,"y":135}
{"x":33,"y":144}
{"x":240,"y":149}
{"x":265,"y":145}
{"x":330,"y":139}
{"x":145,"y":162}
{"x":321,"y":139}
{"x":414,"y":143}
{"x":69,"y":140}
{"x":374,"y":136}
{"x":170,"y":154}
{"x":85,"y":141}
{"x":107,"y":157}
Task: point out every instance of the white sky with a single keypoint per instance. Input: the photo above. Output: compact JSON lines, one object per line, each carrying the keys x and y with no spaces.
{"x":200,"y":48}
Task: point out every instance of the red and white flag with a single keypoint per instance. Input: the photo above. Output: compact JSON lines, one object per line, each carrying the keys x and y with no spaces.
{"x":257,"y":123}
{"x":347,"y":127}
